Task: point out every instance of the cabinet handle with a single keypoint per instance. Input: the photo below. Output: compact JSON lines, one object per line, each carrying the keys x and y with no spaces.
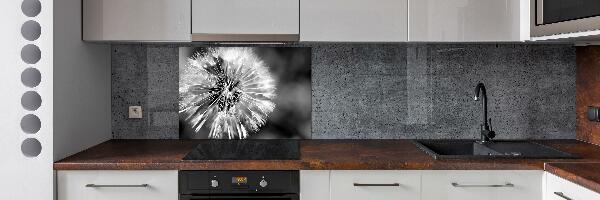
{"x":562,"y":195}
{"x":468,"y":186}
{"x":376,"y":184}
{"x":115,"y":186}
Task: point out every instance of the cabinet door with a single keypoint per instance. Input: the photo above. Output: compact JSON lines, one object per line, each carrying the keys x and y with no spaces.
{"x":560,"y":189}
{"x":117,"y":185}
{"x":468,"y":21}
{"x":482,"y":185}
{"x":353,"y":20}
{"x":136,"y":20}
{"x":375,"y":185}
{"x":314,"y":185}
{"x":241,"y":20}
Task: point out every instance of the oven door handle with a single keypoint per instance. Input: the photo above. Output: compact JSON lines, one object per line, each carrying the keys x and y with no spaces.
{"x":190,"y":197}
{"x":241,"y":196}
{"x":291,"y":197}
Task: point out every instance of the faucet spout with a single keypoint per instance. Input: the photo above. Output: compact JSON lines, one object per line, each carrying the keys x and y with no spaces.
{"x":480,"y":94}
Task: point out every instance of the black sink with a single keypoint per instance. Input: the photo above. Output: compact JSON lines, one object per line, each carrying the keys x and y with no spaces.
{"x":469,"y":149}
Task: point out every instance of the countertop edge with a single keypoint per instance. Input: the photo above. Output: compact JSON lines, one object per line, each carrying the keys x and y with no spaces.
{"x":571,"y":176}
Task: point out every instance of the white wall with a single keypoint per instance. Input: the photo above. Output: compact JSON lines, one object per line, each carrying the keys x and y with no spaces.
{"x":74,"y":90}
{"x":82,"y":97}
{"x":24,"y":177}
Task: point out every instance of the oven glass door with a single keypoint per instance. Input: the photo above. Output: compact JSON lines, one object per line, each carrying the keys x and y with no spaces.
{"x":554,"y":11}
{"x":241,"y":197}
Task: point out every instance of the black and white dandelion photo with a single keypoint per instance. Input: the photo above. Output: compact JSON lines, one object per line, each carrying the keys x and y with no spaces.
{"x":245,"y":93}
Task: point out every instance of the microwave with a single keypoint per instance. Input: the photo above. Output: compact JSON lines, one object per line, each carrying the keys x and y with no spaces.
{"x":553,"y":17}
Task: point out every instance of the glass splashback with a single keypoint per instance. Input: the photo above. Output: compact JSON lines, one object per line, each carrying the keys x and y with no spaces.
{"x":245,"y":93}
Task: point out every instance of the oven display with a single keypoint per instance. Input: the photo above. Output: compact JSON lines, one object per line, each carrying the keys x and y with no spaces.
{"x":239,"y":180}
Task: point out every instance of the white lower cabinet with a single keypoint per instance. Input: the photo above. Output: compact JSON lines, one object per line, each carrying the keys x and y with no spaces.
{"x":314,"y":184}
{"x":117,"y":185}
{"x":341,"y":185}
{"x":482,"y":185}
{"x":560,"y":189}
{"x":375,"y":185}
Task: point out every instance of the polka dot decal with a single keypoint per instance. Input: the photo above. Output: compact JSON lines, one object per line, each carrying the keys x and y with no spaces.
{"x":31,"y":54}
{"x":31,"y":124}
{"x":31,"y":147}
{"x":31,"y":77}
{"x":31,"y":8}
{"x":31,"y":100}
{"x":31,"y":30}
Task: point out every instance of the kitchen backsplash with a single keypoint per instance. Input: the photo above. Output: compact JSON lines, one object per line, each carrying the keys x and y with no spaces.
{"x":382,"y":91}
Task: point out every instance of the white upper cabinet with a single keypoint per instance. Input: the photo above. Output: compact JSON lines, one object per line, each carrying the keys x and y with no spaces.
{"x":468,"y":20}
{"x":136,"y":20}
{"x":245,"y":20}
{"x":354,"y":20}
{"x":307,"y":20}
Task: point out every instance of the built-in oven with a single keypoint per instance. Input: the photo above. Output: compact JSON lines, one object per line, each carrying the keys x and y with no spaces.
{"x":552,"y":17}
{"x":238,"y":185}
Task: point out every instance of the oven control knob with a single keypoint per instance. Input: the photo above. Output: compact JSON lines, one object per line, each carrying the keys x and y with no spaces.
{"x":214,"y":183}
{"x":263,"y":183}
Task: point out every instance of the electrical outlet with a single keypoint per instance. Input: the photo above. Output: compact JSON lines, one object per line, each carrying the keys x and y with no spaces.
{"x":135,"y":112}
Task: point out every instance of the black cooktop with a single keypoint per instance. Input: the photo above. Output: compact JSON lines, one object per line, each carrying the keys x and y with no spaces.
{"x":245,"y":150}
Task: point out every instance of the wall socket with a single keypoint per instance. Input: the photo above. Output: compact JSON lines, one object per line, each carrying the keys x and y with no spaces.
{"x":593,"y":114}
{"x":135,"y":112}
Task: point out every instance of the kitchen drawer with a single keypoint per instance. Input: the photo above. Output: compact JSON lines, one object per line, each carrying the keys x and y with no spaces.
{"x":162,"y":185}
{"x":482,"y":185}
{"x":396,"y":185}
{"x":556,"y":186}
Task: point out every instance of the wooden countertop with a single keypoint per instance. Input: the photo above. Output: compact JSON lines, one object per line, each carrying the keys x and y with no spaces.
{"x":584,"y":174}
{"x":314,"y":155}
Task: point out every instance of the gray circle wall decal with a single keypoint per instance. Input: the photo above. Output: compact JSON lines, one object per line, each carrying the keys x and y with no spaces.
{"x":31,"y":124}
{"x":31,"y":30}
{"x":31,"y":77}
{"x":31,"y":8}
{"x":31,"y":54}
{"x":31,"y":100}
{"x":31,"y":147}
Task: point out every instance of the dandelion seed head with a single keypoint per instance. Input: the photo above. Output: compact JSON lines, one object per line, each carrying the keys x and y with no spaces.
{"x":227,"y":91}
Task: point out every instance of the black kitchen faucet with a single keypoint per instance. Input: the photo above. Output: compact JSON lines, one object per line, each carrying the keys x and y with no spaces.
{"x":487,"y":134}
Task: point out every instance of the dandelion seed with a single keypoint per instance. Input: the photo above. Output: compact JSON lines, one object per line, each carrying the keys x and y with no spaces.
{"x":229,"y":91}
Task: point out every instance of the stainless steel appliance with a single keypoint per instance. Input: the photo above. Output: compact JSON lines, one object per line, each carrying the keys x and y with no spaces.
{"x":238,"y":185}
{"x":552,"y":17}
